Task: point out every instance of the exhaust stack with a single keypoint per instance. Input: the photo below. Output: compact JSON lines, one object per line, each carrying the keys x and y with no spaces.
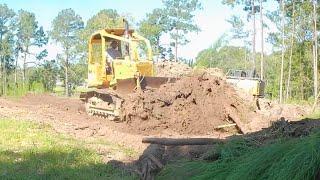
{"x":126,"y":27}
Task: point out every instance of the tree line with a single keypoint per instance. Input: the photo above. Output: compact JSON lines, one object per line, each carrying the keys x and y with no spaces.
{"x":24,"y":63}
{"x":291,"y":28}
{"x":290,"y":69}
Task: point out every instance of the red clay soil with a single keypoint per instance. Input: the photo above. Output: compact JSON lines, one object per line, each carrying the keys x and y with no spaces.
{"x":193,"y":105}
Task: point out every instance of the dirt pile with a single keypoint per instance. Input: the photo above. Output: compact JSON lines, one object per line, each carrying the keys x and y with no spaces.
{"x":193,"y":105}
{"x":210,"y":71}
{"x":172,"y":69}
{"x":273,"y":110}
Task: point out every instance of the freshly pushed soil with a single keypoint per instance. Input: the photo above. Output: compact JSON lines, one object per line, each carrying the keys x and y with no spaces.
{"x":68,"y":116}
{"x":172,"y":69}
{"x":193,"y":105}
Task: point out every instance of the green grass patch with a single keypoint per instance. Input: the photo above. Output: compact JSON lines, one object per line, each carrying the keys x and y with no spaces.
{"x":60,"y":91}
{"x":314,"y":115}
{"x":308,"y":102}
{"x":34,"y":151}
{"x":285,"y":159}
{"x":16,"y":91}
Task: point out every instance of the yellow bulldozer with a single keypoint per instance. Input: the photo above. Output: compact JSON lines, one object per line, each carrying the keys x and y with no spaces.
{"x":128,"y":67}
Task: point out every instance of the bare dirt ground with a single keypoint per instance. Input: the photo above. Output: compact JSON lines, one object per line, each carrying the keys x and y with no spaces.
{"x":189,"y":108}
{"x":67,"y":115}
{"x":194,"y":106}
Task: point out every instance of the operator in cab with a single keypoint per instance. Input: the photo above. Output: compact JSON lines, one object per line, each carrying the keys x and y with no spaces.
{"x":111,"y":53}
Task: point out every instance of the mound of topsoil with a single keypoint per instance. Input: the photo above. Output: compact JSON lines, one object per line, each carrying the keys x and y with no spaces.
{"x":172,"y":69}
{"x":193,"y":105}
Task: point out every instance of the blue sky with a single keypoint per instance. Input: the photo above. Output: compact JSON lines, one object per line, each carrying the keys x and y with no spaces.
{"x":211,"y":19}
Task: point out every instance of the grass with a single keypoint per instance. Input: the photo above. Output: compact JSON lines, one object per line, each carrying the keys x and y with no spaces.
{"x":17,"y":91}
{"x":37,"y":88}
{"x":314,"y":115}
{"x":308,"y":102}
{"x":286,"y":159}
{"x":34,"y":151}
{"x":59,"y":90}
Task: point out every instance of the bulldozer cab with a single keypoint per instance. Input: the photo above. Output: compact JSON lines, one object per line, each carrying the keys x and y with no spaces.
{"x":117,"y":54}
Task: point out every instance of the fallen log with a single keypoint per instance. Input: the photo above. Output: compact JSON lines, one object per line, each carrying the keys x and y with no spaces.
{"x":225,"y":126}
{"x":182,"y":142}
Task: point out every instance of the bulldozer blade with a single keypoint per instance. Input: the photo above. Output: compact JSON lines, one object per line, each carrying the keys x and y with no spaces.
{"x":155,"y":82}
{"x":125,"y":86}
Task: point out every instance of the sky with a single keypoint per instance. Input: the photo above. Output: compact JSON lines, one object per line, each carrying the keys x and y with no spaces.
{"x":211,"y":19}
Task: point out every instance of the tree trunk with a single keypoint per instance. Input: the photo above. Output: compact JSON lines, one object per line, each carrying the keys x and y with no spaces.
{"x":254,"y":34}
{"x":291,"y":51}
{"x":16,"y":74}
{"x":16,"y":70}
{"x":66,"y":75}
{"x":24,"y":70}
{"x":158,"y":48}
{"x":4,"y":77}
{"x":262,"y":43}
{"x":245,"y":56}
{"x":282,"y":54}
{"x":1,"y":73}
{"x":1,"y":64}
{"x":176,"y":47}
{"x":315,"y":50}
{"x":300,"y":75}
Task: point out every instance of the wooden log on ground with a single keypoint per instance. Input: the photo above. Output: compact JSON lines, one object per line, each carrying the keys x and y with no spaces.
{"x":182,"y":142}
{"x":225,"y":126}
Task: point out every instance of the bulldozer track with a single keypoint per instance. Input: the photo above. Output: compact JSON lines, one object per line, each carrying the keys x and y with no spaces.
{"x":93,"y":111}
{"x":103,"y":104}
